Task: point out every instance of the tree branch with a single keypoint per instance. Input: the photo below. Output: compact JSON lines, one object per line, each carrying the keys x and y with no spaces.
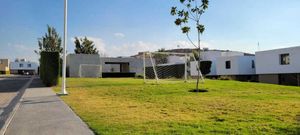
{"x":188,"y":37}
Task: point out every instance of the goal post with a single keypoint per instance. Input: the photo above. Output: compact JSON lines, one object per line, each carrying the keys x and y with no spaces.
{"x":90,"y":71}
{"x":168,"y":66}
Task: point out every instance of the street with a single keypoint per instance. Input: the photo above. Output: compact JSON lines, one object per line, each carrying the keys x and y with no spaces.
{"x":9,"y":90}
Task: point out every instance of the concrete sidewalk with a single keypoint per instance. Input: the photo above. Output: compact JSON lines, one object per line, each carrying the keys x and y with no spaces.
{"x":42,"y":112}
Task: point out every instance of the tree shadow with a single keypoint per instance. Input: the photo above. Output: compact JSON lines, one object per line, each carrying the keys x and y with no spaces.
{"x":198,"y":91}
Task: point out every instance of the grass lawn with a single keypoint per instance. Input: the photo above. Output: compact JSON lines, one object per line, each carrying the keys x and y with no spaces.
{"x":127,"y":106}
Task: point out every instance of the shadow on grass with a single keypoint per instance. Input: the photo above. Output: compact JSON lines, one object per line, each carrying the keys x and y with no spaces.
{"x":198,"y":91}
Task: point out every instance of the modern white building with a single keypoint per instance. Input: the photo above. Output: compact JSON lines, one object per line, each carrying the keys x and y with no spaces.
{"x":87,"y":65}
{"x":279,"y":66}
{"x":236,"y":65}
{"x":90,"y":65}
{"x":213,"y":55}
{"x":240,"y":66}
{"x":22,"y":66}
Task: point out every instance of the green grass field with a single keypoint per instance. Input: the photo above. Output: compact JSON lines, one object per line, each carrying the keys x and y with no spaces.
{"x":127,"y":106}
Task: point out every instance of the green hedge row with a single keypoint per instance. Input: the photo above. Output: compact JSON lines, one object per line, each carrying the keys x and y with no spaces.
{"x":49,"y":68}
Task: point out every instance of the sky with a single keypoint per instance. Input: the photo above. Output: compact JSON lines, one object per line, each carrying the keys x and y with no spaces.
{"x":126,"y":27}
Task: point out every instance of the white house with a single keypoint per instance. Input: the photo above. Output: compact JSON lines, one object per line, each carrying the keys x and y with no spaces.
{"x":279,"y":66}
{"x":218,"y":58}
{"x":236,"y":65}
{"x":22,"y":66}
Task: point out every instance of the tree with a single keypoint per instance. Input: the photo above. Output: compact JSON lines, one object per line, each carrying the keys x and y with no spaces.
{"x":189,"y":16}
{"x":85,"y":46}
{"x":51,"y":42}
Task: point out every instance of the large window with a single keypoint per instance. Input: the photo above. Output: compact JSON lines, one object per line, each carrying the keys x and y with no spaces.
{"x":285,"y":59}
{"x":29,"y":65}
{"x":227,"y":64}
{"x":20,"y":65}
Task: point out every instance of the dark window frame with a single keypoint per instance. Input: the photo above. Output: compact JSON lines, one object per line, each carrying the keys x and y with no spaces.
{"x":284,"y":59}
{"x":253,"y":64}
{"x":228,"y":64}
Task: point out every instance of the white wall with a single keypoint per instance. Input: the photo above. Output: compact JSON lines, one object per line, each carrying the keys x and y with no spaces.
{"x":240,"y":65}
{"x":135,"y":64}
{"x":213,"y":55}
{"x":75,"y":60}
{"x":176,"y":59}
{"x":268,"y":62}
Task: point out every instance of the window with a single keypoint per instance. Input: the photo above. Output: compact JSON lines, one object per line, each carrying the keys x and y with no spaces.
{"x":253,"y":64}
{"x":0,"y":61}
{"x":285,"y":59}
{"x":20,"y":65}
{"x":29,"y":65}
{"x":228,"y":64}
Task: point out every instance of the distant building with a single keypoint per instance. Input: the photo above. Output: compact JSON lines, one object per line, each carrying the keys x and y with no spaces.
{"x":279,"y":66}
{"x":4,"y":66}
{"x":22,"y":66}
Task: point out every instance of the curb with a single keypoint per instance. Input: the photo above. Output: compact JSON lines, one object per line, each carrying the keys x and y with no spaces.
{"x":10,"y":110}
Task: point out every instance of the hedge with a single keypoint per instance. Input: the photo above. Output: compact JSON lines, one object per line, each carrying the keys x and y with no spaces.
{"x":49,"y":68}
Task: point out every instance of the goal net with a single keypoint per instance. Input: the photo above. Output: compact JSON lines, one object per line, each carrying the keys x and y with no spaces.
{"x":169,"y":66}
{"x":90,"y":71}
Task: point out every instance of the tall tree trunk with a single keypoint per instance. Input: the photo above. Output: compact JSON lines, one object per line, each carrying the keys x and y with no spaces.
{"x":199,"y":51}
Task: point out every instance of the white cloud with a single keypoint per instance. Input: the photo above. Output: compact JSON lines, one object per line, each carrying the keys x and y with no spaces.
{"x":119,"y":35}
{"x":132,"y":48}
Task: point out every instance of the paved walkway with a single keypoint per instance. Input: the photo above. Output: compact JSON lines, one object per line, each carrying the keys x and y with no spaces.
{"x":41,"y":112}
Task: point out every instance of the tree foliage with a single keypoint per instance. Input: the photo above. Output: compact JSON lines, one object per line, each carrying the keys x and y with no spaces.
{"x":85,"y":46}
{"x":191,"y":12}
{"x":50,"y":42}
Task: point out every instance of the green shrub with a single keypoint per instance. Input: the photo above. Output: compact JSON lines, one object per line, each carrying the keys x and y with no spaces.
{"x":49,"y":68}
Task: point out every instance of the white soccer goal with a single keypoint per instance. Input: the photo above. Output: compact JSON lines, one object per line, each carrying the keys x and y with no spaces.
{"x":169,"y":66}
{"x":90,"y":71}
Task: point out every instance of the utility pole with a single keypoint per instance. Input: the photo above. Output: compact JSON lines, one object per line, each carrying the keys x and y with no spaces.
{"x":63,"y":86}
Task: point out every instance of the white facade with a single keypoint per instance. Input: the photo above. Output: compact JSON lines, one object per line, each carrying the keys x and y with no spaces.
{"x":269,"y":62}
{"x":213,"y":55}
{"x":23,"y":65}
{"x":107,"y":65}
{"x":236,"y":65}
{"x":176,"y":59}
{"x":74,"y":62}
{"x":135,"y":65}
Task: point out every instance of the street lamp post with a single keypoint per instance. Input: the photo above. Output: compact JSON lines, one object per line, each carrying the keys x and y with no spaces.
{"x":63,"y":86}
